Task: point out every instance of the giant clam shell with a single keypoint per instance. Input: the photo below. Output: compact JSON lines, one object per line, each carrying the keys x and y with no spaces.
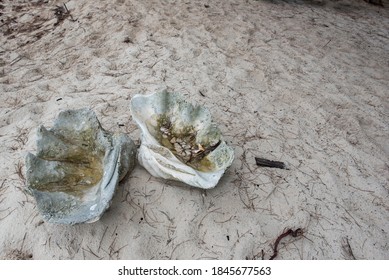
{"x":179,"y":140}
{"x":77,"y":167}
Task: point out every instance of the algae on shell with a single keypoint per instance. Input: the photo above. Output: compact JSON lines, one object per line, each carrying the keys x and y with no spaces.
{"x":179,"y":140}
{"x":77,"y":167}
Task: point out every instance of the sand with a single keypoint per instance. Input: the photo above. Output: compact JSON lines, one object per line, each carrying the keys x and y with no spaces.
{"x":303,"y":82}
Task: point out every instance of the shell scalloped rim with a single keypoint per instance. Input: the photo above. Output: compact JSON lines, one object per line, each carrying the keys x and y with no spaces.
{"x":179,"y":140}
{"x":77,"y":168}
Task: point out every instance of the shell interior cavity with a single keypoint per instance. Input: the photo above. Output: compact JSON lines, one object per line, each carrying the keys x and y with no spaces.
{"x":77,"y":167}
{"x":179,"y":140}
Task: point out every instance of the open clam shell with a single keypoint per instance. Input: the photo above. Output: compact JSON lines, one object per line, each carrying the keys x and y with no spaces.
{"x":77,"y":167}
{"x":179,"y":140}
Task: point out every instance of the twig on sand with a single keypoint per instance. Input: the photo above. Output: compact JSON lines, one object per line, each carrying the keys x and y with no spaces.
{"x":62,"y":12}
{"x":19,"y":172}
{"x":2,"y":185}
{"x":101,"y":241}
{"x":329,"y":41}
{"x":9,"y":213}
{"x":348,"y":249}
{"x":89,"y":250}
{"x":175,"y":248}
{"x":212,"y":211}
{"x":118,"y":250}
{"x":20,"y":254}
{"x":270,"y":163}
{"x":294,"y":233}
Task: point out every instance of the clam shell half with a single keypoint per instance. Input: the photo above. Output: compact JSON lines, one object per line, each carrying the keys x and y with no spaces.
{"x":179,"y":140}
{"x":77,"y":167}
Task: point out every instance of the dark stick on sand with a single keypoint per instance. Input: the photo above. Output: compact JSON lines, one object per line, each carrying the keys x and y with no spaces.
{"x":270,"y":163}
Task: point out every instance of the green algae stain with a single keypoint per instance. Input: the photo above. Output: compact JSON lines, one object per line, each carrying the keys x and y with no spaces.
{"x":193,"y":154}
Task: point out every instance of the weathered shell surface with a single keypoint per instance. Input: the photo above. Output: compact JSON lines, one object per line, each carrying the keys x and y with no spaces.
{"x":179,"y":140}
{"x":77,"y":167}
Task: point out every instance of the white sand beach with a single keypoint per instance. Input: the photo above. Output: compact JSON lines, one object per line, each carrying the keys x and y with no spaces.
{"x":302,"y":82}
